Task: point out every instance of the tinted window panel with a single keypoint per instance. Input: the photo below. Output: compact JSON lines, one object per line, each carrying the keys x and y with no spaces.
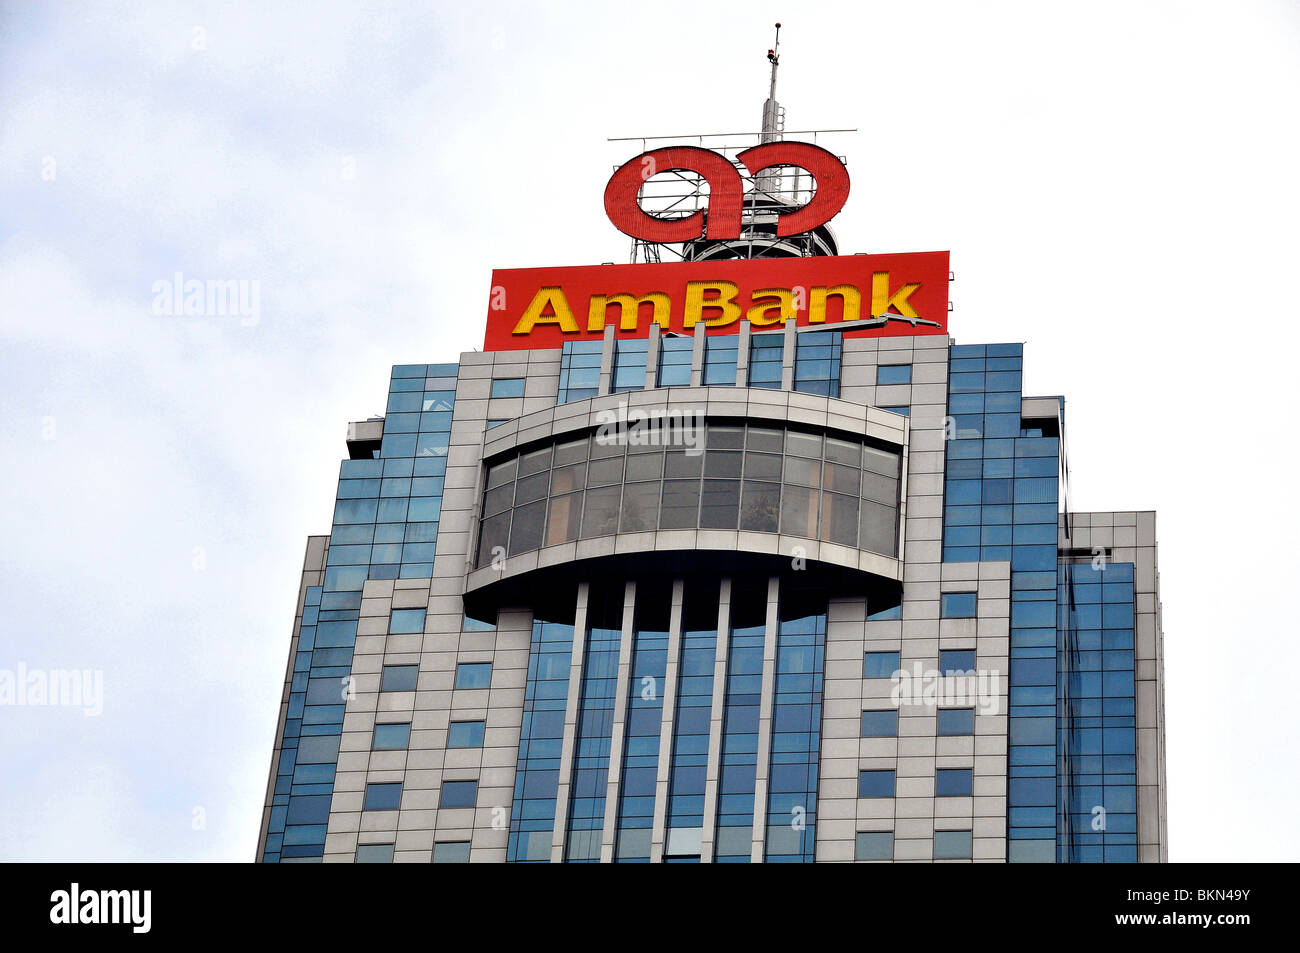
{"x":760,"y":505}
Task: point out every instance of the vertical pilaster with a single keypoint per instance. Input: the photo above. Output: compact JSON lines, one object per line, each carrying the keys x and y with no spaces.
{"x":570,"y":725}
{"x":715,"y":722}
{"x":619,"y":725}
{"x":697,"y":356}
{"x":669,"y":690}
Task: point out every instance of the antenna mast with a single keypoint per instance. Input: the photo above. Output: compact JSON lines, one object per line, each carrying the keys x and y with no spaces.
{"x":773,"y":121}
{"x":769,"y":183}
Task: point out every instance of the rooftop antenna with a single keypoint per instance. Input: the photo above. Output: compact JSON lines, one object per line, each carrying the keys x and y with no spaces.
{"x":773,"y":121}
{"x":768,"y":183}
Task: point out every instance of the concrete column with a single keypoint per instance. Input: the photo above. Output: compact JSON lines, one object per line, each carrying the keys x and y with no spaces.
{"x":669,"y":693}
{"x":742,"y":355}
{"x":570,"y":725}
{"x":714,"y":769}
{"x":619,"y":726}
{"x":697,"y":356}
{"x":652,"y":358}
{"x":788,"y":352}
{"x":606,"y":362}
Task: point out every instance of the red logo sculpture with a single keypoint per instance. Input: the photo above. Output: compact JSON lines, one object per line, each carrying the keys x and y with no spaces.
{"x":726,"y":191}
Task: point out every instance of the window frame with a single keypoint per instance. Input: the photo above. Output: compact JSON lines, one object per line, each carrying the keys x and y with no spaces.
{"x":493,"y":389}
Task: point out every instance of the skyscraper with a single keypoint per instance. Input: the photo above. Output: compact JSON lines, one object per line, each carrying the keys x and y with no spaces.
{"x":737,"y":558}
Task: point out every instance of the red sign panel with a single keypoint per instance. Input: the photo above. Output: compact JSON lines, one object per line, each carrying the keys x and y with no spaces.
{"x":868,"y":295}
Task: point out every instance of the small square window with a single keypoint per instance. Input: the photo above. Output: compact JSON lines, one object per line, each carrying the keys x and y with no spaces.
{"x":394,"y":737}
{"x":399,"y":678}
{"x":875,"y":784}
{"x":383,"y":797}
{"x":451,"y":852}
{"x":952,"y":845}
{"x":874,"y":845}
{"x":473,"y":675}
{"x":879,"y":664}
{"x":957,"y":605}
{"x":458,"y":794}
{"x":952,"y":782}
{"x":374,"y":853}
{"x":957,"y":661}
{"x":956,"y":721}
{"x":494,"y":423}
{"x":507,"y":387}
{"x":465,"y":734}
{"x":880,"y":724}
{"x":406,"y":621}
{"x":894,"y":374}
{"x":474,"y":625}
{"x":904,"y":409}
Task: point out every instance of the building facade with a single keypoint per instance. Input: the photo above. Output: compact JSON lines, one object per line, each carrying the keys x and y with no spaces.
{"x":772,"y":589}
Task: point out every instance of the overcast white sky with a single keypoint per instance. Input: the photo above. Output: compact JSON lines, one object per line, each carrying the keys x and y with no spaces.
{"x":1116,"y":182}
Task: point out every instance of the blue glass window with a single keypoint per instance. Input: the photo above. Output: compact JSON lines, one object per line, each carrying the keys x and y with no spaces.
{"x":720,"y":357}
{"x":739,"y":762}
{"x":690,"y":751}
{"x":765,"y":356}
{"x":894,"y":374}
{"x":796,"y":725}
{"x":952,"y":845}
{"x":391,"y":737}
{"x":374,"y":853}
{"x":579,"y":370}
{"x":817,"y":362}
{"x":473,"y":675}
{"x":874,"y":845}
{"x":399,"y":678}
{"x":598,"y":689}
{"x":952,"y":782}
{"x":451,"y":852}
{"x":956,"y":721}
{"x":675,"y":361}
{"x":880,"y":664}
{"x":956,"y":661}
{"x":880,"y":724}
{"x":383,"y":797}
{"x":541,"y":737}
{"x":957,"y":605}
{"x":875,"y":783}
{"x":629,"y":366}
{"x":465,"y":734}
{"x":406,"y":621}
{"x":507,"y":387}
{"x":458,"y":794}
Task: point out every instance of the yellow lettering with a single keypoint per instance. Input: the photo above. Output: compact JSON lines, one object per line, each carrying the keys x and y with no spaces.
{"x":882,"y":300}
{"x":782,"y":301}
{"x":629,"y":310}
{"x":850,"y":303}
{"x":563,"y":314}
{"x":724,"y":299}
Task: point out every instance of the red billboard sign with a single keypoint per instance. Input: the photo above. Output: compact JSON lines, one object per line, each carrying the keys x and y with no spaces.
{"x":865,"y":295}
